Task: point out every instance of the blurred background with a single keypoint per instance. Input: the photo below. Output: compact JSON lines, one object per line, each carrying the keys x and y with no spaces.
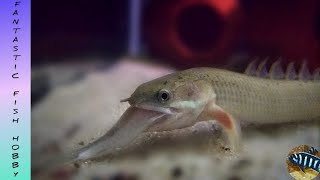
{"x":185,"y":33}
{"x":87,"y":55}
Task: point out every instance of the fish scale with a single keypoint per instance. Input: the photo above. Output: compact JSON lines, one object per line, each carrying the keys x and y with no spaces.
{"x":261,"y":100}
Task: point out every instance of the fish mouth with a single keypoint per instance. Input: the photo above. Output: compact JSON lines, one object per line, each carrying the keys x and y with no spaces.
{"x":150,"y":107}
{"x":164,"y":110}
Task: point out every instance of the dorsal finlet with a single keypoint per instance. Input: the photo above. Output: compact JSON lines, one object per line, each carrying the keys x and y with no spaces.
{"x":262,"y":69}
{"x":304,"y":73}
{"x":291,"y":73}
{"x":251,"y":68}
{"x":276,"y":71}
{"x":316,"y":74}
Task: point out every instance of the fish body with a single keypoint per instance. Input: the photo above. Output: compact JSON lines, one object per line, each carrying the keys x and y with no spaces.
{"x":261,"y":100}
{"x":231,"y":98}
{"x":305,"y":160}
{"x":181,"y":99}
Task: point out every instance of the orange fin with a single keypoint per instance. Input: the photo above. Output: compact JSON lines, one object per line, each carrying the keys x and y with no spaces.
{"x":228,"y":123}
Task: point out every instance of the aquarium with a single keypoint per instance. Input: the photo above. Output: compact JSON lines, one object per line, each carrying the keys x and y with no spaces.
{"x":175,"y":89}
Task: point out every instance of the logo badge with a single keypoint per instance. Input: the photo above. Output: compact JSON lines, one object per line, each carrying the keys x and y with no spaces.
{"x":303,"y":162}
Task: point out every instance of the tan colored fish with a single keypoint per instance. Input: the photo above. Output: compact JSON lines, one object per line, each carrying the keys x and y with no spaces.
{"x":183,"y":98}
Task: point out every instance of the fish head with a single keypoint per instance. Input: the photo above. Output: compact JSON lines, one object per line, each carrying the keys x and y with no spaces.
{"x":293,"y":158}
{"x":170,"y":102}
{"x":180,"y":96}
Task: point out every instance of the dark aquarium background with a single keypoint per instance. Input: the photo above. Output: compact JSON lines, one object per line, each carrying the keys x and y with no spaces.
{"x":185,"y":33}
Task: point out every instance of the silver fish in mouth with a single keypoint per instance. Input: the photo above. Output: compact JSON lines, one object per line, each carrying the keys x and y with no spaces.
{"x":132,"y":123}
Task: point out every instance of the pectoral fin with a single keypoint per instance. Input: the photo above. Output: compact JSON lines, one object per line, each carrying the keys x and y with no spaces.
{"x":228,"y":123}
{"x":302,"y":168}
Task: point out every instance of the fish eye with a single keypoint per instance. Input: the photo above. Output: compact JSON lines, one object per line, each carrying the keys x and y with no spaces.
{"x":163,"y":95}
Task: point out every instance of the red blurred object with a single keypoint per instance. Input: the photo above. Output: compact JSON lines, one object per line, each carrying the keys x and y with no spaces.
{"x":284,"y":28}
{"x":191,"y":32}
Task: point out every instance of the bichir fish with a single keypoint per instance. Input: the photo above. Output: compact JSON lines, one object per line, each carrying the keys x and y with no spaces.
{"x":183,"y":98}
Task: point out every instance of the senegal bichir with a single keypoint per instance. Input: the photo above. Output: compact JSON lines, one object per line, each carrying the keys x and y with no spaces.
{"x":183,"y":98}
